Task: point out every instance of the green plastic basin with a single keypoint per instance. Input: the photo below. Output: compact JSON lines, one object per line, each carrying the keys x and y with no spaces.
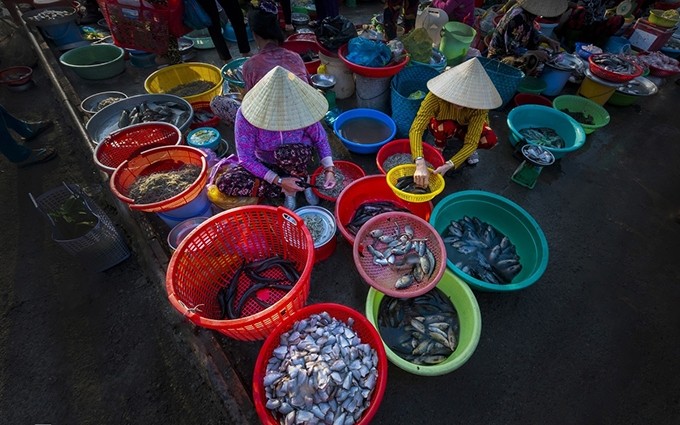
{"x":95,"y":62}
{"x":508,"y":218}
{"x":585,"y":106}
{"x":469,"y":318}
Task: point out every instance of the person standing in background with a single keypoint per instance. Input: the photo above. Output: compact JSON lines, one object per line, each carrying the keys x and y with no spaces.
{"x":235,"y":15}
{"x":326,"y":8}
{"x":458,"y":10}
{"x":393,"y":8}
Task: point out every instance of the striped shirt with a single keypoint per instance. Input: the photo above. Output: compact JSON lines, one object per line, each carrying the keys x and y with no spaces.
{"x":433,"y":106}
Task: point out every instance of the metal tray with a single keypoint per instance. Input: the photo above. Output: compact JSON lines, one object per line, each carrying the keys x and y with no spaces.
{"x":105,"y":121}
{"x":639,"y":86}
{"x":327,"y":218}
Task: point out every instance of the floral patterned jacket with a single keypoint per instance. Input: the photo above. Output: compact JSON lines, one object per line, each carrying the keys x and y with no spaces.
{"x":514,"y":35}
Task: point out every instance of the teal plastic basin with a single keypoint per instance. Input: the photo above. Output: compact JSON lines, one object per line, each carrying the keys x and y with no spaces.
{"x":507,"y":217}
{"x":534,"y":116}
{"x":95,"y":62}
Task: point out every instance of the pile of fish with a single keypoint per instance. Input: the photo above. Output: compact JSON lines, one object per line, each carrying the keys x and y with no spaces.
{"x":191,"y":89}
{"x":399,"y":159}
{"x":408,"y":185}
{"x":321,"y":373}
{"x":538,"y":155}
{"x":481,"y":251}
{"x":423,"y":330}
{"x":49,"y":14}
{"x":235,"y":74}
{"x":613,"y":63}
{"x":368,"y":210}
{"x":273,"y":273}
{"x":169,"y":112}
{"x":340,"y":182}
{"x":316,"y":226}
{"x":106,"y":102}
{"x":403,"y":251}
{"x":543,"y":136}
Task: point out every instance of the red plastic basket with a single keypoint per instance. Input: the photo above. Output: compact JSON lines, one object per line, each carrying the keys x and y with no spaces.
{"x":206,"y":260}
{"x":203,"y":106}
{"x":302,"y":46}
{"x":614,"y":77}
{"x":383,"y":278}
{"x":350,"y":170}
{"x":362,"y":327}
{"x":371,"y":189}
{"x":368,"y":71}
{"x":128,"y":142}
{"x":141,"y":25}
{"x":164,"y":158}
{"x":431,"y":155}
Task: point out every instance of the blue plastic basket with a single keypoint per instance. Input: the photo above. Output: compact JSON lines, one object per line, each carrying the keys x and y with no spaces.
{"x":408,"y":80}
{"x":505,"y":78}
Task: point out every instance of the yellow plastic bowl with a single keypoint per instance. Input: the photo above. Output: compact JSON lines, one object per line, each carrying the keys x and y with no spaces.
{"x":168,"y":78}
{"x":656,"y":17}
{"x":436,"y":183}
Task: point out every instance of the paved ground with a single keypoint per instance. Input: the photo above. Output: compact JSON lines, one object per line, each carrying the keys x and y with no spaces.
{"x":595,"y":341}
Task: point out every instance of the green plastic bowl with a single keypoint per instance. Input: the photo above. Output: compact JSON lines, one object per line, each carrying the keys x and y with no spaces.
{"x":532,"y":85}
{"x":469,"y":318}
{"x":507,"y":217}
{"x":95,"y":62}
{"x":622,"y":99}
{"x":586,"y":106}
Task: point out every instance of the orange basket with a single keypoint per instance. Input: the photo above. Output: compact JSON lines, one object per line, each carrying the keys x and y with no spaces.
{"x":383,"y":278}
{"x":130,"y":141}
{"x":140,"y":25}
{"x":363,"y":328}
{"x":207,"y":259}
{"x":430,"y":153}
{"x":164,"y":158}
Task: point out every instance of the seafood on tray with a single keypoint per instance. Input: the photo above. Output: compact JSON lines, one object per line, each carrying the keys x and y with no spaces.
{"x":169,"y":112}
{"x":614,"y":63}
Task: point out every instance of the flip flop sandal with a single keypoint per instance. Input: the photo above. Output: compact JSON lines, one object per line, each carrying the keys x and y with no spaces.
{"x":40,"y":130}
{"x":38,"y":156}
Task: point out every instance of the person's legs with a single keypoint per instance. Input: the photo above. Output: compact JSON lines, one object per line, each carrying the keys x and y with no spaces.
{"x":442,"y":131}
{"x":410,"y":11}
{"x":215,"y":29}
{"x":391,"y":16}
{"x":235,"y":15}
{"x":237,"y":181}
{"x":9,"y":147}
{"x":293,"y":160}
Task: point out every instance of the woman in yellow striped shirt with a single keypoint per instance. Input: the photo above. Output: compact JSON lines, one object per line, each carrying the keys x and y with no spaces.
{"x":457,"y":106}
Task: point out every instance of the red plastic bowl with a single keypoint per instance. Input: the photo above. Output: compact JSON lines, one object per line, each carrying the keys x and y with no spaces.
{"x":531,"y":99}
{"x":203,"y":106}
{"x":130,"y":141}
{"x":371,"y":189}
{"x":614,"y":77}
{"x":16,"y":75}
{"x":302,"y":46}
{"x":164,"y":158}
{"x":431,"y":155}
{"x":350,"y":170}
{"x":367,"y":333}
{"x":367,"y":71}
{"x":303,"y":36}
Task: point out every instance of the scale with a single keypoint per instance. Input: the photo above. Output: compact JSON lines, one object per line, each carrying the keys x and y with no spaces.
{"x":325,"y":83}
{"x":535,"y":158}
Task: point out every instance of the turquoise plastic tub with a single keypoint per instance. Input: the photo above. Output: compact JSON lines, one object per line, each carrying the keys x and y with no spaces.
{"x":95,"y":62}
{"x":364,"y":113}
{"x":534,"y":116}
{"x":507,"y":217}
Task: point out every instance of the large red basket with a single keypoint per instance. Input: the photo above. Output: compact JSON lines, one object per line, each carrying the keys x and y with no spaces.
{"x":362,"y":327}
{"x":371,"y":189}
{"x":369,"y":71}
{"x":207,"y":259}
{"x":164,"y":158}
{"x":128,"y":142}
{"x":203,"y":106}
{"x":350,"y":170}
{"x":141,"y":25}
{"x":383,"y":278}
{"x":430,"y":154}
{"x":302,"y":46}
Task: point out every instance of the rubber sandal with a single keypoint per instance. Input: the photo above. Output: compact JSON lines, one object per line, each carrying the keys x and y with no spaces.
{"x":38,"y":156}
{"x":40,"y":128}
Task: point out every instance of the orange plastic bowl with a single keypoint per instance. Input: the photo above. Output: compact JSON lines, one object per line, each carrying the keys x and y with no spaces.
{"x":371,"y":189}
{"x":431,"y":155}
{"x":350,"y":170}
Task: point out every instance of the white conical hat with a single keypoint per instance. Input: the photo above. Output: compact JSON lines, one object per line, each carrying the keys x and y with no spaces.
{"x":281,"y":101}
{"x":466,"y":85}
{"x":547,"y":8}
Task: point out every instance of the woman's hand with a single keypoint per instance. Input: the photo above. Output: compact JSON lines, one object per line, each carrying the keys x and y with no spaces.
{"x":554,"y":44}
{"x":422,"y":175}
{"x":443,"y":169}
{"x":330,"y":181}
{"x":541,"y":55}
{"x":289,"y":185}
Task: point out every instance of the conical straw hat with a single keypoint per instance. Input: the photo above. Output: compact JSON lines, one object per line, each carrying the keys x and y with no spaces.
{"x":547,"y":8}
{"x":466,"y":85}
{"x":281,"y":101}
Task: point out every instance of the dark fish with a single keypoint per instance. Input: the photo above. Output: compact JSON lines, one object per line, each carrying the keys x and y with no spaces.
{"x":543,"y":136}
{"x":407,"y":184}
{"x":368,"y":210}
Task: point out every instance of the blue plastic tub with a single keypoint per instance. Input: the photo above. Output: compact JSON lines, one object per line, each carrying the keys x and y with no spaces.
{"x":534,"y":116}
{"x":555,"y":79}
{"x":204,"y":138}
{"x":199,"y":207}
{"x":230,"y":35}
{"x":364,"y":113}
{"x":616,"y":45}
{"x":508,"y":218}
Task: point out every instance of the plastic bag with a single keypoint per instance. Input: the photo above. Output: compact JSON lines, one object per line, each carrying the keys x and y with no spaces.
{"x":335,"y":31}
{"x":194,"y":16}
{"x":220,"y":199}
{"x":365,"y":52}
{"x":418,"y":44}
